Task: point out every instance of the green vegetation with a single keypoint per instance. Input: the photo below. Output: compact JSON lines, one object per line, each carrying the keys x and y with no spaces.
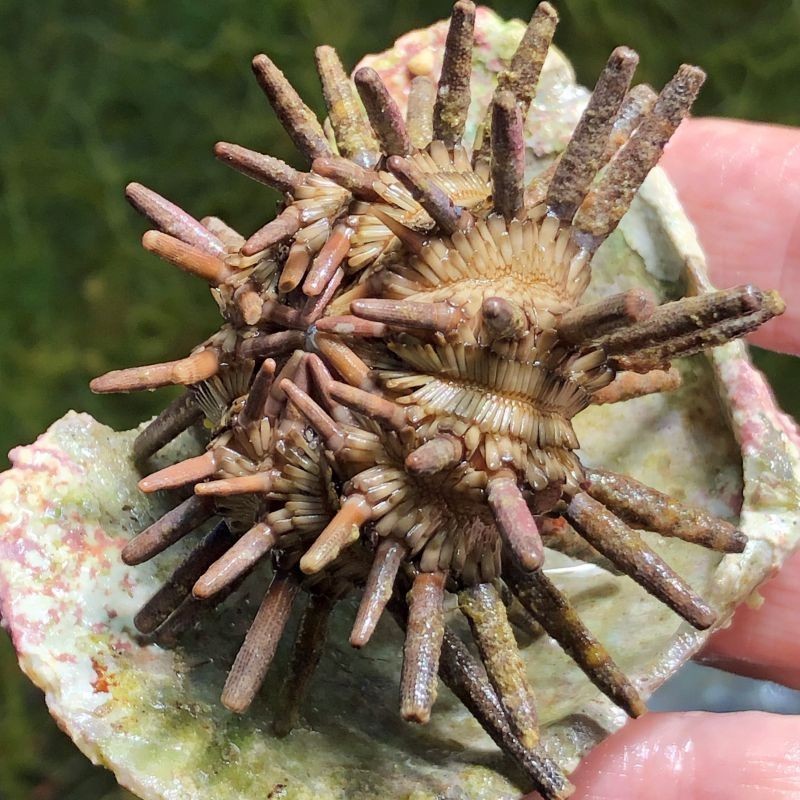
{"x":97,"y":94}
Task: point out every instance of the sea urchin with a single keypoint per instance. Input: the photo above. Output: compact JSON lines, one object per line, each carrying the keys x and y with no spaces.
{"x":391,"y":393}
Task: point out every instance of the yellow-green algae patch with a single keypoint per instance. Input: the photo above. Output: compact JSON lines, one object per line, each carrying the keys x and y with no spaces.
{"x":153,"y":716}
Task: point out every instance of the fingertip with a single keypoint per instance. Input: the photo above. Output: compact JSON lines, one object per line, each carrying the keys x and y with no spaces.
{"x":762,"y":641}
{"x":695,"y":755}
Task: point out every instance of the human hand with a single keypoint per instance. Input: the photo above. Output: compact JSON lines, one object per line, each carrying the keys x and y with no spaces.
{"x":740,"y":185}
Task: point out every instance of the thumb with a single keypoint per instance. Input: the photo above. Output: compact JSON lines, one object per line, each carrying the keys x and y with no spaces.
{"x":695,"y":756}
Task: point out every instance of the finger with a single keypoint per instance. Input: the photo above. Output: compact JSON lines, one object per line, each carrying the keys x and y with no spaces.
{"x":763,"y":642}
{"x":740,"y":185}
{"x":695,"y":756}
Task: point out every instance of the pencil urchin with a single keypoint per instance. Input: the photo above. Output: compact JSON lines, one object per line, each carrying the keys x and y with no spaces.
{"x":391,"y":393}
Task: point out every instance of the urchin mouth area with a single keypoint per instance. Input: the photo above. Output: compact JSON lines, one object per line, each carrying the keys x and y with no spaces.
{"x":391,"y":394}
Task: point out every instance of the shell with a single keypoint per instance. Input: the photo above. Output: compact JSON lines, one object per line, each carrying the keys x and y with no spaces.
{"x":256,"y":456}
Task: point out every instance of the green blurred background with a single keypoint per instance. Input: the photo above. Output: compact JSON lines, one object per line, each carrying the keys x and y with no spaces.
{"x":97,"y":93}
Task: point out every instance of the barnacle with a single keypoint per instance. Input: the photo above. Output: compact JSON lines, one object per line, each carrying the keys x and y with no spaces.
{"x":391,"y":393}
